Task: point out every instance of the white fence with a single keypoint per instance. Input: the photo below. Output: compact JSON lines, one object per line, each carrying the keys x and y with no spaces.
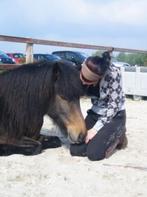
{"x":135,"y":81}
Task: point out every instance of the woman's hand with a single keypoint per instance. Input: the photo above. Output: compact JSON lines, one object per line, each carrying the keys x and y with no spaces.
{"x":90,"y":134}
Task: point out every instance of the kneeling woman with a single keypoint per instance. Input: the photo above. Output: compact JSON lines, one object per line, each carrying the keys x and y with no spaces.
{"x":106,"y":120}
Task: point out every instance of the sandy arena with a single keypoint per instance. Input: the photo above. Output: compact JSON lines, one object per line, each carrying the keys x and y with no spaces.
{"x":54,"y":173}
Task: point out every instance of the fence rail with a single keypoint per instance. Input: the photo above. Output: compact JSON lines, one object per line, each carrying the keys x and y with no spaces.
{"x":66,"y":44}
{"x":8,"y":66}
{"x":30,"y":42}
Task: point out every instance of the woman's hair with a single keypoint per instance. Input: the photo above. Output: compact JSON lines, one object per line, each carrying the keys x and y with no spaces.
{"x":100,"y":64}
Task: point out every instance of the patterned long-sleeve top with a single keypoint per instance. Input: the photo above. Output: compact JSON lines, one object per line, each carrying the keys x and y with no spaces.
{"x":111,"y":97}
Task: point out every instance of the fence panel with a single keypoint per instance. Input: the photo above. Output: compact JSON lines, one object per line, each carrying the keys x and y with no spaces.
{"x":135,"y":81}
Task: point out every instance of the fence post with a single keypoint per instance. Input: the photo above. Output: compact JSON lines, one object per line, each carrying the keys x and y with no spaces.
{"x":29,"y":53}
{"x":137,"y":84}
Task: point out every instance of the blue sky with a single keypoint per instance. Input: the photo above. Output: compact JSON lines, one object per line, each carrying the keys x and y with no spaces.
{"x":117,"y":23}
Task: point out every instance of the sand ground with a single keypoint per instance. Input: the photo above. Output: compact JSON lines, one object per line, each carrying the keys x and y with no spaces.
{"x":54,"y":173}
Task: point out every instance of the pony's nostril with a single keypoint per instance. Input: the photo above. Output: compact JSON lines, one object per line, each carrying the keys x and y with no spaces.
{"x":81,"y":138}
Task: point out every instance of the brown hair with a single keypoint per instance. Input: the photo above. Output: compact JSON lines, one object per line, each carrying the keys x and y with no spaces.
{"x":100,"y":64}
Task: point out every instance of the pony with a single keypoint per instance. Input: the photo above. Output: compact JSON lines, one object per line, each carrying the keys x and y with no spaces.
{"x":29,"y":92}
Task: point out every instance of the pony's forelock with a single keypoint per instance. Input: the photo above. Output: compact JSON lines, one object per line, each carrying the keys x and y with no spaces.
{"x":68,"y":83}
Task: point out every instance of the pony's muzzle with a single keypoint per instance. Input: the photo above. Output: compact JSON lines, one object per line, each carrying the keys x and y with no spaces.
{"x":76,"y":127}
{"x":78,"y":140}
{"x":73,"y":120}
{"x":75,"y":136}
{"x":81,"y":138}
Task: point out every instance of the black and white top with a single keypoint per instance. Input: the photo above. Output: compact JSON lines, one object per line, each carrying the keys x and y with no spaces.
{"x":111,"y":97}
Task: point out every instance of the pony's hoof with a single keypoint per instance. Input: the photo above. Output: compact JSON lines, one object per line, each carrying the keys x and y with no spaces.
{"x":35,"y":150}
{"x":51,"y":142}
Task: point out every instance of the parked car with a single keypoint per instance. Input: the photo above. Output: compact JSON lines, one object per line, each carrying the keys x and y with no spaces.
{"x":47,"y":57}
{"x":5,"y":59}
{"x":73,"y":56}
{"x":19,"y":58}
{"x":50,"y":58}
{"x":122,"y":64}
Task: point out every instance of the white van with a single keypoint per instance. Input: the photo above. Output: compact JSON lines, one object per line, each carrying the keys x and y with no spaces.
{"x":121,"y":64}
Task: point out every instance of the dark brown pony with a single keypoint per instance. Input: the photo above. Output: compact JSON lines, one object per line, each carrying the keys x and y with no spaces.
{"x":28,"y":93}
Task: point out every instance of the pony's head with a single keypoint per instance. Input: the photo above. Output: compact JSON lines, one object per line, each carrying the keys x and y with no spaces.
{"x":65,"y":109}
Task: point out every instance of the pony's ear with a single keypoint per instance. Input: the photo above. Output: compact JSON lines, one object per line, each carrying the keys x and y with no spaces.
{"x":56,"y":71}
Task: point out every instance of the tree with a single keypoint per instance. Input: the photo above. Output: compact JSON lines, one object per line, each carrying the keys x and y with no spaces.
{"x":133,"y":58}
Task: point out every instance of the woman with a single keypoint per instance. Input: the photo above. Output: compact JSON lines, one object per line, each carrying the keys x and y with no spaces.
{"x":106,"y":119}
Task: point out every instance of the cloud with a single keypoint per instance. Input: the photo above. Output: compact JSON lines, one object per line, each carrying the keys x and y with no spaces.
{"x":129,"y":12}
{"x":43,"y":12}
{"x":89,"y":21}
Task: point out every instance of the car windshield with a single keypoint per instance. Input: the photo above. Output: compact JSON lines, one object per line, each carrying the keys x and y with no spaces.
{"x":3,"y":55}
{"x":19,"y":55}
{"x":83,"y":56}
{"x":52,"y":57}
{"x":47,"y":57}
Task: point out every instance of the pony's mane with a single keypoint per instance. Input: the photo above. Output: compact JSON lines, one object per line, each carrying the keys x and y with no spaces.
{"x":68,"y":83}
{"x":37,"y":79}
{"x":27,"y":78}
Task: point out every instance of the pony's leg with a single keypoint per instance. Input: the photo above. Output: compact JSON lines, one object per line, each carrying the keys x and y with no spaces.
{"x":25,"y":146}
{"x":50,"y":141}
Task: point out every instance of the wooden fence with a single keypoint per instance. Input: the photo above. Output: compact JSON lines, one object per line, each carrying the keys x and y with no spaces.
{"x":30,"y":42}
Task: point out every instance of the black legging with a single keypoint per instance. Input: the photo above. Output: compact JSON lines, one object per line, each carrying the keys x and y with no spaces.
{"x":103,"y":140}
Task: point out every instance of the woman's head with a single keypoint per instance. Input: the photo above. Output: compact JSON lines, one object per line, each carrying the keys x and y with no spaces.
{"x":94,"y":68}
